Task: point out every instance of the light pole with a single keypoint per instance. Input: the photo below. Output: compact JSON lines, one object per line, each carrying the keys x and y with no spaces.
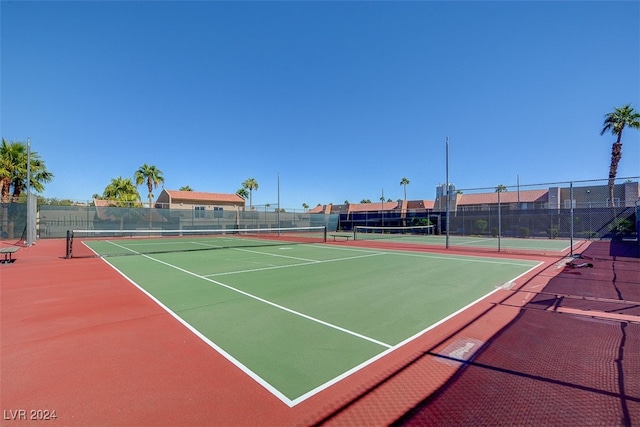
{"x":589,"y":200}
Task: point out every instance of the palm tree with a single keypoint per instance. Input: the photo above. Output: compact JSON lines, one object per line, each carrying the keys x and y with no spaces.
{"x":501,"y":188}
{"x":10,"y":157}
{"x":242,"y":193}
{"x":404,"y":181}
{"x":305,"y":206}
{"x":615,"y":122}
{"x":121,"y":190}
{"x":250,"y":184}
{"x":150,"y":175}
{"x":13,"y":170}
{"x":186,"y":188}
{"x":38,"y":175}
{"x":13,"y":176}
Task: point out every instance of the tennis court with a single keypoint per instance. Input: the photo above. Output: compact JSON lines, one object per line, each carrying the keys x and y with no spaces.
{"x":423,"y":235}
{"x":298,"y":318}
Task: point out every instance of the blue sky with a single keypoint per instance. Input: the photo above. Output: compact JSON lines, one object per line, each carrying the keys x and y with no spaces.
{"x":339,"y":99}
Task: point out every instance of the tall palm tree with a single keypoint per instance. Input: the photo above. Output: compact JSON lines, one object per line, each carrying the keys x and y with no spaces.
{"x":150,"y":175}
{"x":404,"y":181}
{"x":186,"y":188}
{"x":615,"y":122}
{"x":250,"y":184}
{"x":11,"y":155}
{"x":121,"y":190}
{"x":13,"y":170}
{"x":501,"y":188}
{"x":305,"y":206}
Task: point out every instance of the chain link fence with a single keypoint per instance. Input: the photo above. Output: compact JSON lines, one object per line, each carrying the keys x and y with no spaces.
{"x":54,"y":221}
{"x":568,"y":210}
{"x":574,"y":210}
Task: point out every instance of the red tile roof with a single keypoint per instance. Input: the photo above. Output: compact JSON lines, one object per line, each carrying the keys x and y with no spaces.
{"x":199,"y":196}
{"x":370,"y":207}
{"x":376,"y":207}
{"x":420,"y":204}
{"x":526,"y":196}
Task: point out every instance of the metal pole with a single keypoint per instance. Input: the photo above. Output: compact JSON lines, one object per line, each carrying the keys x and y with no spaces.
{"x":278,"y":214}
{"x":447,"y":192}
{"x":499,"y":218}
{"x":571,"y":213}
{"x":30,"y":237}
{"x":382,"y":206}
{"x":590,"y":226}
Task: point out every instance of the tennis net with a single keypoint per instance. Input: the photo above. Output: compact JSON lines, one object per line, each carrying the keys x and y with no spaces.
{"x":106,"y":243}
{"x":374,"y":233}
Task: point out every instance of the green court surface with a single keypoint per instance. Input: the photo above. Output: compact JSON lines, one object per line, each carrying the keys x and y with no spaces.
{"x":546,"y":245}
{"x":297,"y":318}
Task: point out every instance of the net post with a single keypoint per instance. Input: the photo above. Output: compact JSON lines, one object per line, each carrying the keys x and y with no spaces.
{"x":325,"y":234}
{"x":69,"y":246}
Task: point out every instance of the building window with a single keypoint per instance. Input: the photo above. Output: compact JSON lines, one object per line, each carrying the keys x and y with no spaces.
{"x":199,"y":211}
{"x":568,"y":204}
{"x":217,"y":212}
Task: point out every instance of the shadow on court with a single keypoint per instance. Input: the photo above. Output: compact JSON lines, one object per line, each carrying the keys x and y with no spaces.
{"x":570,"y":357}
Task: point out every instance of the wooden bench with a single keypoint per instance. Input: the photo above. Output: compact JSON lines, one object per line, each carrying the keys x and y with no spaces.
{"x":8,"y":254}
{"x":340,"y":236}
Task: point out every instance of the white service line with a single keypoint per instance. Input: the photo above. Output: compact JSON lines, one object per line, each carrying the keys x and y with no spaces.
{"x":275,"y":267}
{"x":257,"y":298}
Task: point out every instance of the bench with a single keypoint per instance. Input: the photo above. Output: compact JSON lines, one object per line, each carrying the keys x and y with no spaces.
{"x":8,"y":254}
{"x":340,"y":236}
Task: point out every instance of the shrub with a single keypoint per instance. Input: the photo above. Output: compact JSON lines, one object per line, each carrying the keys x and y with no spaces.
{"x":481,"y":225}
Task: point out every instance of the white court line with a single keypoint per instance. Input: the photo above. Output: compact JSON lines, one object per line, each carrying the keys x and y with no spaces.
{"x":503,"y":261}
{"x":256,"y":252}
{"x":276,"y":267}
{"x":463,"y":258}
{"x":241,"y":366}
{"x":313,"y":392}
{"x":368,"y":362}
{"x":257,"y":298}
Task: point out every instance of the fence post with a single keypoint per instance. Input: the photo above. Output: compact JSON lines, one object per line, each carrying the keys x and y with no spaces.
{"x":571,"y":221}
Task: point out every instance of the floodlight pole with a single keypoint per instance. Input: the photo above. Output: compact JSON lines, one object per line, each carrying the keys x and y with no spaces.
{"x":382,"y":206}
{"x":499,"y":218}
{"x":30,"y":237}
{"x":571,"y":213}
{"x":446,"y":192}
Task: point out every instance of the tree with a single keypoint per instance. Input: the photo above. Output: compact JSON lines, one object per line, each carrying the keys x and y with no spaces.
{"x":250,"y":184}
{"x":404,"y":182}
{"x":365,"y":201}
{"x":186,"y":188}
{"x":121,"y":190}
{"x":615,"y":123}
{"x":150,"y":175}
{"x":501,"y":188}
{"x":305,"y":206}
{"x":243,"y":193}
{"x":13,"y":170}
